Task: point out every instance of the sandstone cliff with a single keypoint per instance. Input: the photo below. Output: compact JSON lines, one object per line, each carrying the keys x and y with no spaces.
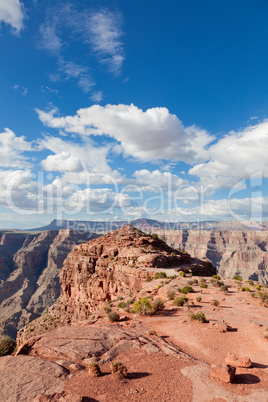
{"x":29,"y":269}
{"x":232,"y":252}
{"x":114,"y":265}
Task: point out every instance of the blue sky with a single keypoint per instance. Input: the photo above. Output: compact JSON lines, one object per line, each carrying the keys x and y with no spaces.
{"x":128,"y":109}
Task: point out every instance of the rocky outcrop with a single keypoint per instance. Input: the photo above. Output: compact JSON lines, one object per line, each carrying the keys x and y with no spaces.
{"x":31,"y":274}
{"x":114,"y":265}
{"x":232,"y":252}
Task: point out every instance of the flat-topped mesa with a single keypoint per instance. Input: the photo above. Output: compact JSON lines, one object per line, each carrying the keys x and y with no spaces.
{"x":115,"y":265}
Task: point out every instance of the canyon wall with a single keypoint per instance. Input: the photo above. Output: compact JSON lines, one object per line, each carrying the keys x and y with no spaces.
{"x":232,"y":252}
{"x":29,"y":272}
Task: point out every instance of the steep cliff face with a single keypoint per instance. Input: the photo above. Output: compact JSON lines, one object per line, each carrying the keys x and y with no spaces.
{"x":114,"y":265}
{"x":33,"y":281}
{"x":231,"y":252}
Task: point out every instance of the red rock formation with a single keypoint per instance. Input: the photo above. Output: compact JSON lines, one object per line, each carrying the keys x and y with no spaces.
{"x":32,"y":283}
{"x":115,"y":265}
{"x":232,"y":252}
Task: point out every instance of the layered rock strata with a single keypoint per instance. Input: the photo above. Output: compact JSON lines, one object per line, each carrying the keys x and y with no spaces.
{"x":30,"y":274}
{"x":232,"y":252}
{"x":115,"y":265}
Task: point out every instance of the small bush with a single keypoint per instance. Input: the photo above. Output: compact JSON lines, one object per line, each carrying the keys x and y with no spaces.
{"x":155,"y":236}
{"x":119,"y":369}
{"x":216,"y":277}
{"x":198,"y":299}
{"x":224,"y":288}
{"x":190,"y":282}
{"x":257,"y":287}
{"x":160,"y":275}
{"x":263,"y":296}
{"x":150,"y":332}
{"x":120,"y":298}
{"x":245,"y":289}
{"x":199,"y":317}
{"x":180,"y":300}
{"x":202,"y":279}
{"x":158,"y":304}
{"x":195,"y":281}
{"x":250,"y":282}
{"x":203,"y":285}
{"x":182,"y":274}
{"x":142,"y":307}
{"x":107,"y":309}
{"x":159,"y":286}
{"x":149,"y":278}
{"x":113,"y":316}
{"x":187,"y":289}
{"x":122,"y":305}
{"x":237,"y":277}
{"x":215,"y":303}
{"x":7,"y":346}
{"x":171,"y":277}
{"x":170,"y":294}
{"x":130,"y":301}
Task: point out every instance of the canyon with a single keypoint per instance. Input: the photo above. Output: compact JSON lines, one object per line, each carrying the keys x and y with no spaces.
{"x":29,"y":272}
{"x":168,"y":352}
{"x":30,"y":262}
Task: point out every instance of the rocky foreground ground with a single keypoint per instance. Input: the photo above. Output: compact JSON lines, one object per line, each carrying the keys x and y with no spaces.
{"x":167,"y":353}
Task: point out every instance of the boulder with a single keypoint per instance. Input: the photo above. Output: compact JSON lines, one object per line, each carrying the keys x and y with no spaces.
{"x":223,"y":372}
{"x":237,"y":361}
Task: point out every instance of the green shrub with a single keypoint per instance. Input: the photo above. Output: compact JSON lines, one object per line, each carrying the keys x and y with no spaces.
{"x":180,"y":300}
{"x":190,"y":282}
{"x":202,"y":279}
{"x":107,"y":309}
{"x":160,"y":275}
{"x":142,"y":307}
{"x":224,"y":288}
{"x":250,"y":282}
{"x":7,"y":346}
{"x":130,"y":301}
{"x":155,"y":236}
{"x":187,"y":289}
{"x":245,"y":289}
{"x":216,"y":277}
{"x":172,"y":277}
{"x":195,"y":281}
{"x":203,"y":285}
{"x":182,"y":274}
{"x":170,"y":294}
{"x":215,"y":303}
{"x":199,"y":317}
{"x":158,"y":304}
{"x":198,"y":299}
{"x":258,"y":287}
{"x":113,"y":316}
{"x":149,"y":278}
{"x":122,"y":305}
{"x":263,"y":296}
{"x":237,"y":277}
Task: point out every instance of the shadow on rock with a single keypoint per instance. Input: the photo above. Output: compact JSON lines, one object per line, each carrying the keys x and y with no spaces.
{"x":135,"y":376}
{"x":259,"y":365}
{"x":246,"y":379}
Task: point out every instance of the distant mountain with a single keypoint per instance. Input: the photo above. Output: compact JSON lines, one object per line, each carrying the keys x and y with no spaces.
{"x":151,"y":225}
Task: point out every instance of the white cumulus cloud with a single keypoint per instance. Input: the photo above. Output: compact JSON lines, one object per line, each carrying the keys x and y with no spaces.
{"x":150,"y":135}
{"x":12,"y":149}
{"x":12,"y":13}
{"x":62,"y":162}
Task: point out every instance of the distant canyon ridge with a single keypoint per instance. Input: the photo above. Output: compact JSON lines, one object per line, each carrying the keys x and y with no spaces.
{"x":30,"y":261}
